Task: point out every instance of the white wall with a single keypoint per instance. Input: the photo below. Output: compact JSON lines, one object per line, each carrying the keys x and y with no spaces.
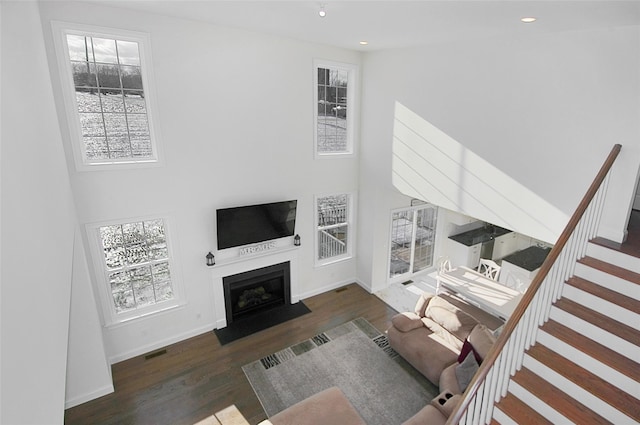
{"x":88,"y":371}
{"x":37,"y":229}
{"x":235,"y":114}
{"x":544,"y":109}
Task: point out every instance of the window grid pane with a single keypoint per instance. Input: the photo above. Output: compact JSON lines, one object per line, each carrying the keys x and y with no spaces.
{"x":136,"y":260}
{"x":110,"y":98}
{"x":332,"y":111}
{"x":333,"y":226}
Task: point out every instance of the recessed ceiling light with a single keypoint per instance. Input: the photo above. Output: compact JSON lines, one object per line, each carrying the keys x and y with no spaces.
{"x":364,"y":42}
{"x":322,"y":12}
{"x":528,"y":19}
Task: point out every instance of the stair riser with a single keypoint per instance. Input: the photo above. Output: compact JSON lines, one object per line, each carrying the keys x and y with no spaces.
{"x":598,"y":334}
{"x":608,"y":281}
{"x":598,"y":304}
{"x":536,"y":404}
{"x":594,"y":366}
{"x":578,"y":393}
{"x":613,"y":257}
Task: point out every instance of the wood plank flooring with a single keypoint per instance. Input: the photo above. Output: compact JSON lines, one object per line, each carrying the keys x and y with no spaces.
{"x":197,"y":377}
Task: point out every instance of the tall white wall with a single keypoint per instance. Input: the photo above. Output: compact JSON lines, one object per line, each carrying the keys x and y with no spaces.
{"x":37,"y":229}
{"x":88,"y":370}
{"x":544,"y":109}
{"x":235,"y":114}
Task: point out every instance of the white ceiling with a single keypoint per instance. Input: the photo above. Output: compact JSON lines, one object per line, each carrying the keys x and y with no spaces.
{"x":394,"y":24}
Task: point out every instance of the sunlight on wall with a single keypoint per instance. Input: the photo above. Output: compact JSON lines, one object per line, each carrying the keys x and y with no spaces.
{"x":430,"y":165}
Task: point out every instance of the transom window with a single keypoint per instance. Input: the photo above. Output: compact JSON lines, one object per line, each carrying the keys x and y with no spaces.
{"x":136,"y":268}
{"x":106,"y":84}
{"x":334,"y":112}
{"x":334,"y":229}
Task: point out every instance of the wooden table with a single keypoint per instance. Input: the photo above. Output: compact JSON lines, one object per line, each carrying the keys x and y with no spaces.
{"x":488,"y":294}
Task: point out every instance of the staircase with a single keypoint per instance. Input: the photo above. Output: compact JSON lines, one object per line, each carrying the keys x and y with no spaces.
{"x":584,"y":366}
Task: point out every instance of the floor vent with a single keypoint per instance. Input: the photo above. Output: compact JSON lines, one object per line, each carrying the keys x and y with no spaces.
{"x":344,"y":288}
{"x":407,"y":282}
{"x":156,"y":354}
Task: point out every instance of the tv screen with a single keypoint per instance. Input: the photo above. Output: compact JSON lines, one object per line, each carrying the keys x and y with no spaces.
{"x":255,"y":223}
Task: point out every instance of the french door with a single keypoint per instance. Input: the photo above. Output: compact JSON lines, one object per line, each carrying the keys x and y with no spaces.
{"x":412,"y":240}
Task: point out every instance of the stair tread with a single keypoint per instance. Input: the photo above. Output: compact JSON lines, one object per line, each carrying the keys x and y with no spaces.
{"x":600,"y":320}
{"x":630,"y":249}
{"x":520,"y":412}
{"x":603,"y":354}
{"x":624,"y":402}
{"x":606,"y":294}
{"x":611,"y":269}
{"x":557,"y":399}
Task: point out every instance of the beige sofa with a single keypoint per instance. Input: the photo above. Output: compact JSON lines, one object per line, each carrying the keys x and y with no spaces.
{"x":432,"y":337}
{"x":328,"y":407}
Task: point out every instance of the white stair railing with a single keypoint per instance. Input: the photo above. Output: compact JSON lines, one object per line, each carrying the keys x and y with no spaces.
{"x":491,"y":381}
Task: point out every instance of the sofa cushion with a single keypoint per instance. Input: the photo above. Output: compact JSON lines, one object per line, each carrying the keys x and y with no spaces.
{"x":424,"y":350}
{"x":450,"y":317}
{"x":422,"y":303}
{"x":482,"y":339}
{"x":444,"y":335}
{"x":466,"y":370}
{"x":406,"y":321}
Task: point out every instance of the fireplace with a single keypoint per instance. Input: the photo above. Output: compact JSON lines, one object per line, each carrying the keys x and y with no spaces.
{"x":256,"y":291}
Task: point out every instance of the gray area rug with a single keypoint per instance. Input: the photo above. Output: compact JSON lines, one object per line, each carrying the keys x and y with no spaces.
{"x":355,"y":357}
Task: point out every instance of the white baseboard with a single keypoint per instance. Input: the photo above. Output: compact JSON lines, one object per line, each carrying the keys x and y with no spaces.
{"x":75,"y":401}
{"x":325,"y":288}
{"x":162,"y":343}
{"x":615,"y":235}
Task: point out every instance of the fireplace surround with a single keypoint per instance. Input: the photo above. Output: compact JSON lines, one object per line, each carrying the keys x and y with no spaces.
{"x":226,"y":267}
{"x":255,"y":291}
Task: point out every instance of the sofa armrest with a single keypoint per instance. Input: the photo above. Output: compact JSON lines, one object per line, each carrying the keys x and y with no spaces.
{"x":327,"y":407}
{"x":405,"y":322}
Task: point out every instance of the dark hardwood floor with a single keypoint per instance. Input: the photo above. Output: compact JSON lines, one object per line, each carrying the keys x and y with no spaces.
{"x":197,"y":377}
{"x":632,"y":245}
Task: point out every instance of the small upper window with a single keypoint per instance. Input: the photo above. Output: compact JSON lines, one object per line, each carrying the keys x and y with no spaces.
{"x":106,"y":90}
{"x":334,"y":108}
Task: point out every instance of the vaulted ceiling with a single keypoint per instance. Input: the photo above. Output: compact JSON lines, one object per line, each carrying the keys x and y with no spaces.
{"x":395,"y":24}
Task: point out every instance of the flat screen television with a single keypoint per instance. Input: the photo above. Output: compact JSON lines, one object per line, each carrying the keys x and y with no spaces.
{"x":249,"y":224}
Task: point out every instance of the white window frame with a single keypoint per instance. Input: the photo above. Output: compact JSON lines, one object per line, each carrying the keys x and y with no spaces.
{"x":111,"y":317}
{"x":411,"y":273}
{"x":60,"y":31}
{"x":351,"y":234}
{"x":352,"y":75}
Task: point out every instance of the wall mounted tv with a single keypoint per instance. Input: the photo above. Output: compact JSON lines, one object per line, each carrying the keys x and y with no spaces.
{"x":255,"y":223}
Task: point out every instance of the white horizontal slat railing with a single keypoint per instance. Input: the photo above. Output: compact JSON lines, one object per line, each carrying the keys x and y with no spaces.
{"x":491,"y":381}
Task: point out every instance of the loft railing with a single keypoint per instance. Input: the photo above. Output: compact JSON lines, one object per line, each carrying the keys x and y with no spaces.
{"x":491,"y":381}
{"x":329,"y":245}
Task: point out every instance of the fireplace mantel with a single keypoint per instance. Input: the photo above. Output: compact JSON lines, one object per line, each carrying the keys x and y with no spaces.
{"x":246,"y":263}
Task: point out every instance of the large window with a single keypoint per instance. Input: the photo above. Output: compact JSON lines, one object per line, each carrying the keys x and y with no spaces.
{"x":105,"y":82}
{"x":335,"y":99}
{"x":134,"y":264}
{"x":412,"y":240}
{"x":334,"y":228}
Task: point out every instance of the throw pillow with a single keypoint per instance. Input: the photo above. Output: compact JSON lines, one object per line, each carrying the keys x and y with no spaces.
{"x":465,"y":371}
{"x":466,"y":349}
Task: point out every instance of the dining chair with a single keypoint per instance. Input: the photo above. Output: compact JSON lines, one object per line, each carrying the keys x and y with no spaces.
{"x":489,"y":268}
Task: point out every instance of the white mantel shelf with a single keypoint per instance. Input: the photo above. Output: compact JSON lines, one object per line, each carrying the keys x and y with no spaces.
{"x":242,"y":258}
